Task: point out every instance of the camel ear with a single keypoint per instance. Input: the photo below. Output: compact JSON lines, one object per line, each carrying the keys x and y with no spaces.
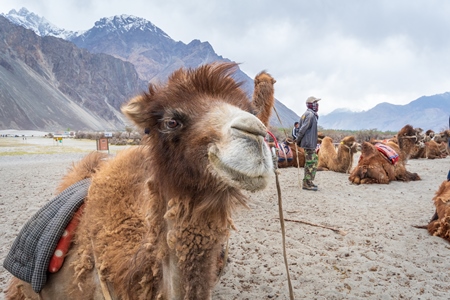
{"x":135,"y":110}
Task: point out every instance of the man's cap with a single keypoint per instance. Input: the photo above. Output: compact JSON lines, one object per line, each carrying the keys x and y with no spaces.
{"x":312,"y":99}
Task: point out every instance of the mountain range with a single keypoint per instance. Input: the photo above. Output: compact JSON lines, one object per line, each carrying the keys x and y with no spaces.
{"x":427,"y":112}
{"x":53,"y":79}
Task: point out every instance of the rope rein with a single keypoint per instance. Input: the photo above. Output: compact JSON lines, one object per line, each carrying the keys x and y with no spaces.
{"x":225,"y":258}
{"x":350,"y":153}
{"x":280,"y":208}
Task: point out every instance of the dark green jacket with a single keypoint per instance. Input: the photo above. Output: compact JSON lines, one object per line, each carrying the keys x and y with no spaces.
{"x":307,"y":131}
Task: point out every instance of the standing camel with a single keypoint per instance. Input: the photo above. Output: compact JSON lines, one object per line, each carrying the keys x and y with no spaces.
{"x":157,"y":215}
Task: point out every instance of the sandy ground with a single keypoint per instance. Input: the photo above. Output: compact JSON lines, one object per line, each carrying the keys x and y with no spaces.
{"x":379,"y":255}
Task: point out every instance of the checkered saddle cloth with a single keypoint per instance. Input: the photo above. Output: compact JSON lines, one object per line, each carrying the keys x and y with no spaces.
{"x":33,"y":248}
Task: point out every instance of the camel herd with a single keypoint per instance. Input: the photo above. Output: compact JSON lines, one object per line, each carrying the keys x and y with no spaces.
{"x":376,"y":167}
{"x":157,"y":216}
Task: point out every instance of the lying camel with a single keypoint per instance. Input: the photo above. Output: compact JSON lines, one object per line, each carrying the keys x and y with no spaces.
{"x":296,"y":154}
{"x":374,"y":167}
{"x":432,"y":146}
{"x":440,"y":223}
{"x":419,"y":151}
{"x":290,"y":155}
{"x":340,"y":160}
{"x":156,"y":215}
{"x":433,"y":150}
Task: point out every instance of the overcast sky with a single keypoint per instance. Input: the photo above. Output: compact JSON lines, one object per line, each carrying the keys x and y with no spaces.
{"x":351,"y":53}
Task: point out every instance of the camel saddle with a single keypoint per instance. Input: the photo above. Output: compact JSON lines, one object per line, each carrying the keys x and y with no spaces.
{"x":388,"y":152}
{"x":284,"y":153}
{"x":32,"y":251}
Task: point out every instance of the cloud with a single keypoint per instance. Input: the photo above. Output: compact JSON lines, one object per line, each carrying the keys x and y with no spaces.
{"x":353,"y":54}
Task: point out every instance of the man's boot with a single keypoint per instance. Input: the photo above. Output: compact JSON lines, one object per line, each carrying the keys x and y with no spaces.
{"x":307,"y":186}
{"x":313,"y":185}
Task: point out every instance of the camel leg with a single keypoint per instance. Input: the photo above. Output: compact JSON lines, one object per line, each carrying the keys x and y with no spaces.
{"x":322,"y":169}
{"x":368,"y":181}
{"x":412,"y":176}
{"x":435,"y":216}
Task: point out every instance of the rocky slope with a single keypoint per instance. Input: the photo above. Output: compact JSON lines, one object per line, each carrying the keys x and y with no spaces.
{"x":47,"y":83}
{"x":153,"y":53}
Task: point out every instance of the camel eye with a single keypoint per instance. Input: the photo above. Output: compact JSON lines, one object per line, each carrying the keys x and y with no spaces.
{"x":171,"y":124}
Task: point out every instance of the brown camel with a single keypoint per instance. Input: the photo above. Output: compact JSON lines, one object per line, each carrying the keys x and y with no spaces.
{"x":374,"y":167}
{"x":340,"y":160}
{"x":442,"y":139}
{"x":432,"y":146}
{"x":156,"y":215}
{"x":419,"y":151}
{"x":443,"y":147}
{"x":297,"y":154}
{"x":433,"y":150}
{"x":443,"y":136}
{"x":440,"y":223}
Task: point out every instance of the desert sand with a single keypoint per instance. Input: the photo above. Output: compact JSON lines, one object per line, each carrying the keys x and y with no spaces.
{"x":374,"y":253}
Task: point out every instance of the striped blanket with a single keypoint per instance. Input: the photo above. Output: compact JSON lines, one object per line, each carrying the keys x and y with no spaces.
{"x":284,"y":152}
{"x":388,"y":152}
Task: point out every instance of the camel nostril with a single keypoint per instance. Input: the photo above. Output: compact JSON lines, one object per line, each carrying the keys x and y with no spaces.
{"x":249,"y":124}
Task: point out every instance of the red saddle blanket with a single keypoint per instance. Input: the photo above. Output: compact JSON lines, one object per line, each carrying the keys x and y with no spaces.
{"x":388,"y":152}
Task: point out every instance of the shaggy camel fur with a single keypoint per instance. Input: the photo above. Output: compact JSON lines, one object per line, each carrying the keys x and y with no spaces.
{"x":440,"y":223}
{"x":374,"y":167}
{"x":443,"y":147}
{"x":433,"y":150}
{"x":340,"y":160}
{"x":433,"y":146}
{"x":157,"y":216}
{"x":419,"y":151}
{"x":442,"y":140}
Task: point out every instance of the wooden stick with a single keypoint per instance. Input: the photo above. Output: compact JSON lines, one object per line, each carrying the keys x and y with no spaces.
{"x":420,"y":226}
{"x":341,"y":232}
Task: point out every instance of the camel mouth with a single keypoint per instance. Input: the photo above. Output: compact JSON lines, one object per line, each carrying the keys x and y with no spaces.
{"x":245,"y":171}
{"x":245,"y":181}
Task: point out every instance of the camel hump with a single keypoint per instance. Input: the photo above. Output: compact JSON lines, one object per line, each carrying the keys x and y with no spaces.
{"x":388,"y":152}
{"x":83,"y":169}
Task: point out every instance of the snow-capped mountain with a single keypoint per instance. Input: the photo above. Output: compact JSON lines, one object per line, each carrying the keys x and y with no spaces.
{"x":38,"y":24}
{"x":149,"y":49}
{"x":127,"y":23}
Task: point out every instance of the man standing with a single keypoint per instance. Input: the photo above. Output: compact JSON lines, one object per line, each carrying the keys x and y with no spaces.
{"x":294,"y":131}
{"x":307,"y":139}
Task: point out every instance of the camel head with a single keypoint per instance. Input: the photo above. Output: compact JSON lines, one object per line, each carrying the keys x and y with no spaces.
{"x":429,"y":134}
{"x":407,"y":138}
{"x":350,"y":142}
{"x":263,"y":96}
{"x":202,"y":131}
{"x":443,"y":136}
